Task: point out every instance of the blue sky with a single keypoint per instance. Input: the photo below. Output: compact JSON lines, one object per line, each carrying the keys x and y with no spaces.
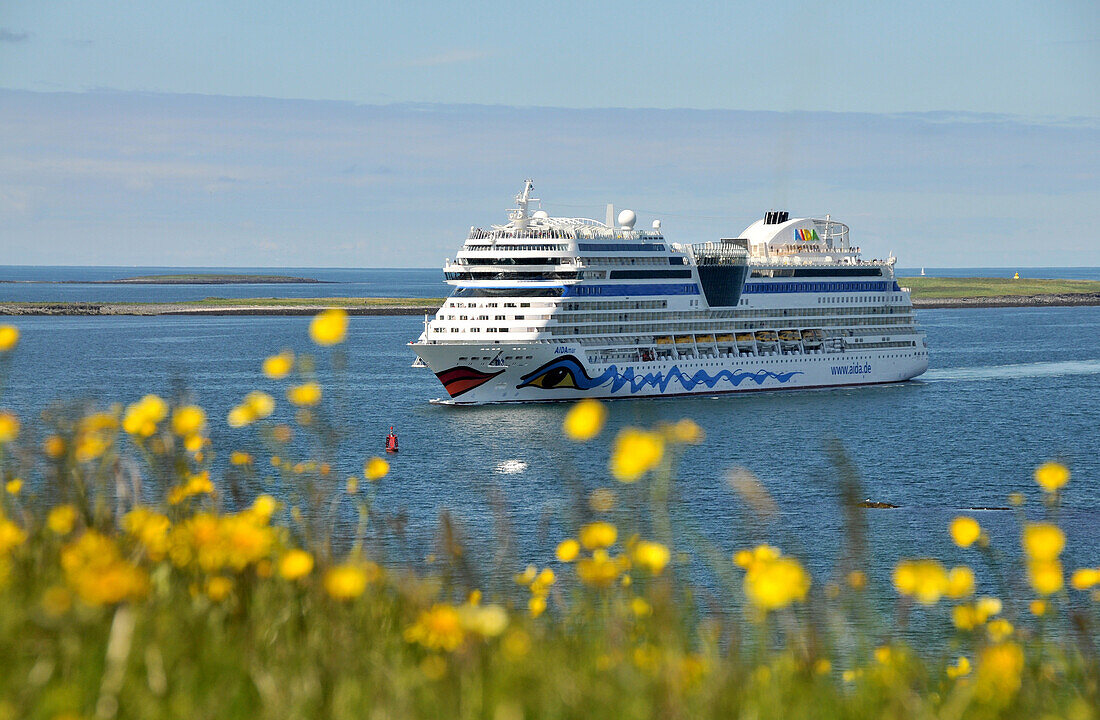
{"x":137,"y":132}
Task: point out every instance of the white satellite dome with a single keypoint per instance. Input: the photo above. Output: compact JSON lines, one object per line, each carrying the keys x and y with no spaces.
{"x":540,"y":215}
{"x":656,"y":224}
{"x":627,"y":218}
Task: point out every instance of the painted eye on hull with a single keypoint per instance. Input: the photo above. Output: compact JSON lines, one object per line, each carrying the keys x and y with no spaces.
{"x":564,"y":372}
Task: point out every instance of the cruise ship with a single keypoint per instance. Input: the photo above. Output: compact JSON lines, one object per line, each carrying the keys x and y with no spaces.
{"x":554,"y":308}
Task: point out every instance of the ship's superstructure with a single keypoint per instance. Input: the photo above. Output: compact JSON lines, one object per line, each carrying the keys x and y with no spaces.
{"x":548,"y":308}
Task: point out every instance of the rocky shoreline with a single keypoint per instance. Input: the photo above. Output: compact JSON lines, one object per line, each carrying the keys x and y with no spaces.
{"x":147,"y":309}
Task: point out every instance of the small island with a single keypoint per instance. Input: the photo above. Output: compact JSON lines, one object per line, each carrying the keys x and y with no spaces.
{"x":208,"y":279}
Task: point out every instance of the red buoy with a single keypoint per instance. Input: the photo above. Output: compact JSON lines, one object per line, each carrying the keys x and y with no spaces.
{"x":391,"y":442}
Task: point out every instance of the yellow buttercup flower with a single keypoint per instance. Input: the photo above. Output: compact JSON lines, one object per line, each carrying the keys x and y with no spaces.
{"x":260,"y":403}
{"x":636,"y":452}
{"x":1084,"y":578}
{"x":329,"y":327}
{"x":240,"y":458}
{"x":11,"y":535}
{"x":1038,"y":608}
{"x":651,"y":555}
{"x":960,"y":582}
{"x":61,"y":519}
{"x":640,"y":607}
{"x":536,"y":605}
{"x":188,"y":420}
{"x":54,"y":446}
{"x":1043,"y":541}
{"x":439,"y":628}
{"x":1052,"y":476}
{"x":965,"y":530}
{"x":999,"y":669}
{"x":961,"y":668}
{"x":584,"y":420}
{"x":600,"y":570}
{"x":150,"y":528}
{"x":484,"y":620}
{"x":926,"y":580}
{"x":685,"y":431}
{"x":9,"y":427}
{"x":218,"y":588}
{"x":295,"y":564}
{"x":13,"y":486}
{"x":567,"y":550}
{"x":375,"y":469}
{"x":9,"y":337}
{"x":1045,"y":576}
{"x":349,"y":580}
{"x":142,"y":417}
{"x":999,"y":629}
{"x":598,"y":535}
{"x":304,"y":395}
{"x":776,"y":583}
{"x":278,"y":366}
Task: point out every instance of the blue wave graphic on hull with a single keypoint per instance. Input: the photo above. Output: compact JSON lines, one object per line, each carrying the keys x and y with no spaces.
{"x":567,"y":372}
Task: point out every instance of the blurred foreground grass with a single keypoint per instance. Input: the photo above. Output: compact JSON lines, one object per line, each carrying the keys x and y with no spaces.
{"x":146,"y":574}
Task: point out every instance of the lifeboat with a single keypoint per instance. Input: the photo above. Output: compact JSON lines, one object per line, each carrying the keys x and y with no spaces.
{"x":684,"y":339}
{"x":664,"y":340}
{"x":723,"y":338}
{"x":812,"y":337}
{"x":745,"y":337}
{"x":766,"y":336}
{"x":790,"y":336}
{"x":704,"y":338}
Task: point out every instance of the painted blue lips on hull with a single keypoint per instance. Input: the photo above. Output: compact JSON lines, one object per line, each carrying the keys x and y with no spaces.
{"x":567,"y":372}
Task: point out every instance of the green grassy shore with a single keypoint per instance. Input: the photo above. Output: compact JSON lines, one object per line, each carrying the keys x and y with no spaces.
{"x":927,"y":292}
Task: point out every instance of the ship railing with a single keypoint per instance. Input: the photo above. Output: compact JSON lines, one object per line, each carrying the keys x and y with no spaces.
{"x":831,"y":230}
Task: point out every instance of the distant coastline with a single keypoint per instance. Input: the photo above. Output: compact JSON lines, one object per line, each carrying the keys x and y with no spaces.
{"x":188,"y":279}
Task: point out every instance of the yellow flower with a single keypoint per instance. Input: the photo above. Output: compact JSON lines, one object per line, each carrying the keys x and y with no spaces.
{"x":567,"y":550}
{"x":438,"y":628}
{"x":484,"y":620}
{"x":584,"y":420}
{"x":198,"y":484}
{"x":822,"y":666}
{"x":776,"y":583}
{"x":999,"y":629}
{"x":960,"y":582}
{"x":95,"y":570}
{"x":636,"y":452}
{"x":150,"y":529}
{"x":295,"y":564}
{"x":375,"y":469}
{"x":61,"y":519}
{"x":961,"y":668}
{"x":925,"y":580}
{"x":1043,"y":541}
{"x":857,"y":579}
{"x":598,"y":535}
{"x":1045,"y":576}
{"x":527,"y":576}
{"x":536,"y":605}
{"x":304,"y":395}
{"x":188,"y":420}
{"x":1084,"y":578}
{"x":260,"y":403}
{"x":9,"y":337}
{"x":142,"y":417}
{"x":651,"y":556}
{"x":13,"y":486}
{"x":1052,"y":476}
{"x":278,"y":366}
{"x":10,"y":535}
{"x":600,"y":570}
{"x":987,"y":607}
{"x":685,"y":431}
{"x":240,"y":458}
{"x":640,"y":607}
{"x":1038,"y":608}
{"x":54,"y":446}
{"x":9,"y":427}
{"x":999,"y":668}
{"x":329,"y":327}
{"x":965,"y":530}
{"x":349,"y":581}
{"x":761,"y":553}
{"x":964,"y":617}
{"x":218,"y":588}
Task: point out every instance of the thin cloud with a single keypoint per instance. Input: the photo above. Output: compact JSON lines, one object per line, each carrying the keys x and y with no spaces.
{"x":452,"y":57}
{"x":11,"y":36}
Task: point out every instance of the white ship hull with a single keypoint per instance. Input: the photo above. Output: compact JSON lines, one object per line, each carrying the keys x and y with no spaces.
{"x":538,"y":372}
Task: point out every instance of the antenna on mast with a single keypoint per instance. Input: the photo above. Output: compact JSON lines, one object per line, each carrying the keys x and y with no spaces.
{"x":519,"y":215}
